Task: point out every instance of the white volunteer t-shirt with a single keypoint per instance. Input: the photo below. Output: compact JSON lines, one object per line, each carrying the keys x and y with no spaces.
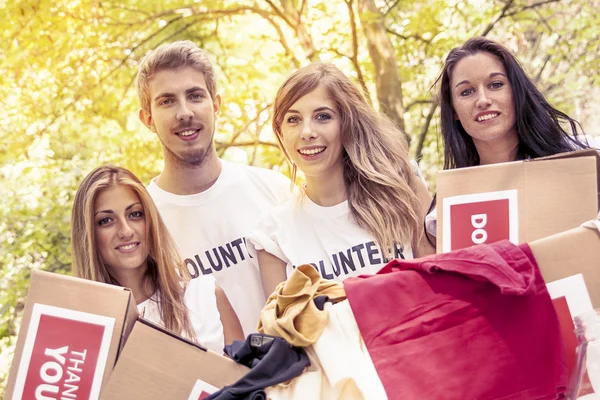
{"x":204,"y":315}
{"x":209,"y":229}
{"x":300,"y":231}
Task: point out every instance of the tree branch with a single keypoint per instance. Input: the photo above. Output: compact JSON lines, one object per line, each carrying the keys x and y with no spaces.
{"x":301,"y":10}
{"x":414,"y":103}
{"x":544,"y":20}
{"x":223,"y":146}
{"x":339,"y":53}
{"x":390,"y":8}
{"x":27,"y":22}
{"x":404,"y":37}
{"x":283,"y":40}
{"x":424,"y":130}
{"x":538,"y":76}
{"x":504,"y":13}
{"x":247,"y":125}
{"x":354,"y":58}
{"x":282,"y":15}
{"x":497,"y":19}
{"x":130,"y":9}
{"x":531,"y":6}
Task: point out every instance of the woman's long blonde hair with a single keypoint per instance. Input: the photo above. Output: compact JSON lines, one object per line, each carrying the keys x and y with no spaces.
{"x":379,"y":180}
{"x":166,"y":273}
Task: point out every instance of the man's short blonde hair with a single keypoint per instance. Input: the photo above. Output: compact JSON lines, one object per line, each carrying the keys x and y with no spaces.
{"x":180,"y":54}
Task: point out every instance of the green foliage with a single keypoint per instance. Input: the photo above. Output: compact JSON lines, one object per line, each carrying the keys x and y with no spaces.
{"x":68,"y":100}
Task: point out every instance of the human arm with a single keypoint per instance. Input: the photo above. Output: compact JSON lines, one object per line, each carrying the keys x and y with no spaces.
{"x":272,"y":271}
{"x":232,"y":329}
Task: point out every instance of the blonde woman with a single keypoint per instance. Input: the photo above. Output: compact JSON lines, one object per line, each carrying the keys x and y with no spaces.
{"x":118,"y":237}
{"x":362,"y":204}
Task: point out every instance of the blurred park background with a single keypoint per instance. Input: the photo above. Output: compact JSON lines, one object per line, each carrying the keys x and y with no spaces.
{"x":68,"y":100}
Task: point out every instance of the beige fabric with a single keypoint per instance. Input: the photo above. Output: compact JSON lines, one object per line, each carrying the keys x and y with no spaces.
{"x":290,"y":311}
{"x":341,"y":367}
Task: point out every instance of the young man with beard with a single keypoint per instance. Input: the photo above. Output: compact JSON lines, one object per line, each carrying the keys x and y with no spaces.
{"x":208,"y":204}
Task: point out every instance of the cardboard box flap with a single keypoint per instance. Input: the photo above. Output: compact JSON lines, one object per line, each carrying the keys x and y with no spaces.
{"x":64,"y":281}
{"x":168,"y":332}
{"x":157,"y":364}
{"x":576,"y":251}
{"x":544,"y":217}
{"x":569,"y":154}
{"x":129,"y":321}
{"x":579,"y":153}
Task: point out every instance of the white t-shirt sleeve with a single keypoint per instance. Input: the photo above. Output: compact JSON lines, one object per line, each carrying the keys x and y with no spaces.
{"x":201,"y":301}
{"x":265,"y":236}
{"x":431,"y":218}
{"x":431,"y":222}
{"x":585,"y":140}
{"x":417,"y":171}
{"x":592,"y":142}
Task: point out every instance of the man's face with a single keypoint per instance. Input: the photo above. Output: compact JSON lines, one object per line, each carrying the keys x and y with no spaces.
{"x":182,"y":114}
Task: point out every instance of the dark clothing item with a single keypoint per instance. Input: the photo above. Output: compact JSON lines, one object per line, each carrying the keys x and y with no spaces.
{"x":272,"y":360}
{"x":475,"y":323}
{"x":320,"y":302}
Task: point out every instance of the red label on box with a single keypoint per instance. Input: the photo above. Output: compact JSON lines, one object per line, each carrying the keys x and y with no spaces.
{"x":202,"y":390}
{"x":204,"y":395}
{"x":64,"y":355}
{"x":479,"y":218}
{"x":568,"y":330}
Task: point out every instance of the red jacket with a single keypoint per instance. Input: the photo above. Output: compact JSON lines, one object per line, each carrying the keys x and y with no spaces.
{"x":475,"y":323}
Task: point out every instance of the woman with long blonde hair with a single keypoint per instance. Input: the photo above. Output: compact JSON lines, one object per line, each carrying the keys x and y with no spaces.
{"x":118,"y":237}
{"x":362,"y":204}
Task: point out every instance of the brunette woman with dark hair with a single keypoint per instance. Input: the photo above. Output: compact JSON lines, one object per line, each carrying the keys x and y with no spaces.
{"x":492,"y":112}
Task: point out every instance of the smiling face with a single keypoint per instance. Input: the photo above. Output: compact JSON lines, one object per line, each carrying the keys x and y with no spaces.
{"x":311,"y":134}
{"x":482,"y":98}
{"x":183,"y":115}
{"x":120,"y":230}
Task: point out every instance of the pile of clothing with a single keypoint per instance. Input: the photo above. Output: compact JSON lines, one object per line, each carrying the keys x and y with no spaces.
{"x":476,"y":323}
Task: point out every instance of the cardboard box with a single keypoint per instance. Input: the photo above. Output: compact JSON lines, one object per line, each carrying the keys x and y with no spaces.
{"x":568,"y":254}
{"x":70,"y":336}
{"x":156,"y":364}
{"x":570,"y":264}
{"x":521,"y":201}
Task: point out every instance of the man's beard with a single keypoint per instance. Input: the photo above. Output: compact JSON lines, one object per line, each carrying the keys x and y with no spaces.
{"x":191,"y":158}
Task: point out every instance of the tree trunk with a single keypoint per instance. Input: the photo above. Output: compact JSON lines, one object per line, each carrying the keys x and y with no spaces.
{"x":387,"y":78}
{"x":293,"y":17}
